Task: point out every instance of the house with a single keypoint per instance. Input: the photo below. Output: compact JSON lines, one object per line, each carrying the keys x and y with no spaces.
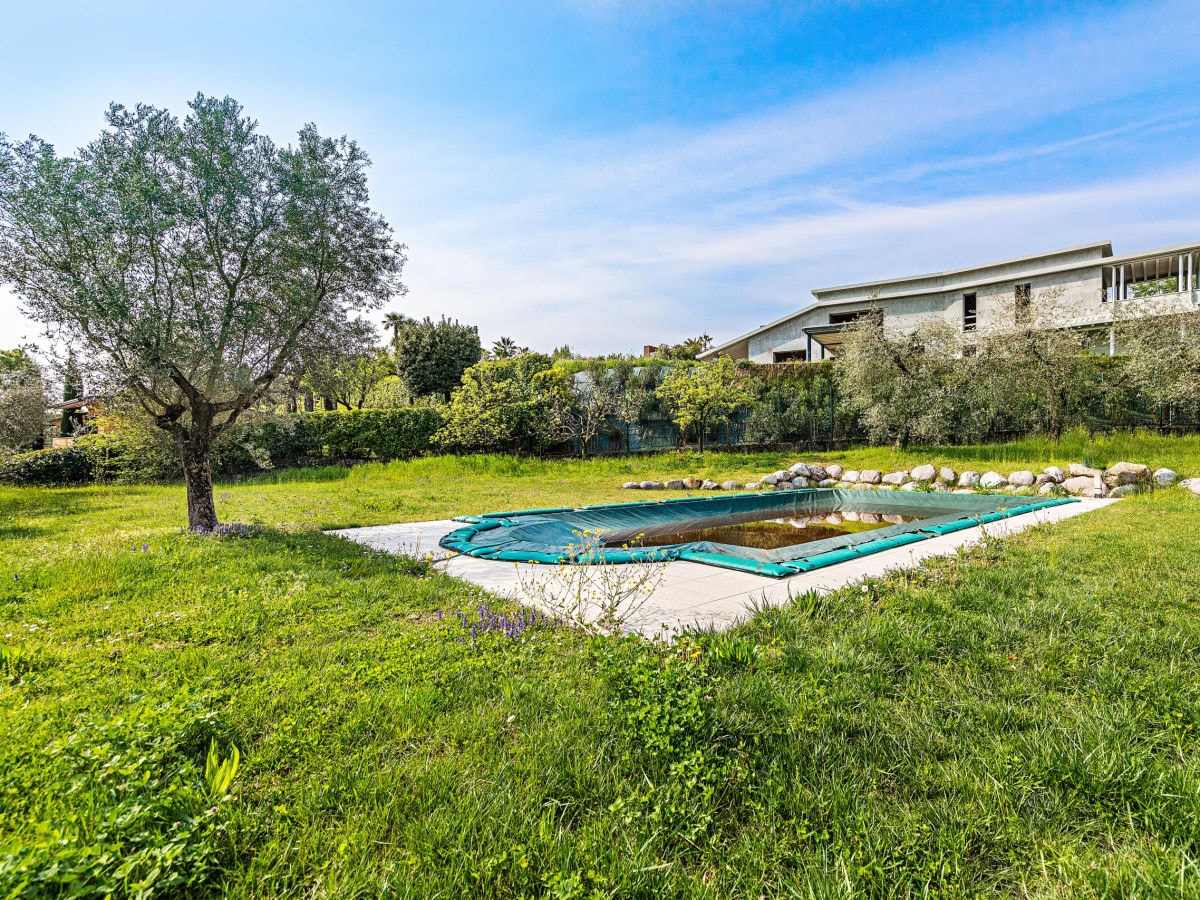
{"x":1088,"y":286}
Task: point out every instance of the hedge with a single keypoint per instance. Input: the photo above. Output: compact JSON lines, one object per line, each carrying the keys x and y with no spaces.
{"x":60,"y":466}
{"x":133,"y":455}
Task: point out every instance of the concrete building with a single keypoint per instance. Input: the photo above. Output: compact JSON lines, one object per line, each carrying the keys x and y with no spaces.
{"x":1080,"y":287}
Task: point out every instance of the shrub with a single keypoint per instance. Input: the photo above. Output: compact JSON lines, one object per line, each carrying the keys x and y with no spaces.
{"x":363,"y":433}
{"x":49,"y":468}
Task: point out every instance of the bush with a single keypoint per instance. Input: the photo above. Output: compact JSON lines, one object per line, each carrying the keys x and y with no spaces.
{"x":49,"y":468}
{"x":132,"y":451}
{"x":361,"y":434}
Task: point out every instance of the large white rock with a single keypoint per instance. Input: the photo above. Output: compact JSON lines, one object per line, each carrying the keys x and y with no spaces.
{"x":1077,"y":470}
{"x":1048,"y":488}
{"x":632,"y":485}
{"x":769,"y":480}
{"x":754,"y":486}
{"x":850,"y":477}
{"x":651,"y":485}
{"x":924,"y":473}
{"x":827,"y":482}
{"x":1022,"y":478}
{"x":1165,"y":477}
{"x":1082,"y":486}
{"x":817,"y":473}
{"x":1124,"y":490}
{"x":870,"y":476}
{"x":782,"y":475}
{"x":992,"y":480}
{"x":800,"y":482}
{"x":731,"y":486}
{"x":1054,"y":473}
{"x":895,"y":478}
{"x":799,"y":469}
{"x":948,"y":475}
{"x":675,"y":484}
{"x":710,"y":485}
{"x":911,"y":486}
{"x":968,"y":479}
{"x":834,"y":471}
{"x":1126,"y":473}
{"x":1191,"y":484}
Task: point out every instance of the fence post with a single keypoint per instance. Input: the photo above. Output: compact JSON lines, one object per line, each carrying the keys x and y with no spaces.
{"x":832,"y":425}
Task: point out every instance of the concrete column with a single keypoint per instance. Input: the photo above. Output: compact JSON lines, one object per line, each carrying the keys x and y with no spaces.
{"x":1179,"y":279}
{"x":1121,"y":295}
{"x":1112,"y":340}
{"x":1189,"y":281}
{"x":808,"y":355}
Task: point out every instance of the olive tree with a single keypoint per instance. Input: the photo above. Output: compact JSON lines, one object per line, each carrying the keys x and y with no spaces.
{"x":22,"y":402}
{"x":195,"y":258}
{"x":703,"y":394}
{"x":1033,"y":363}
{"x":581,"y":403}
{"x":899,"y":382}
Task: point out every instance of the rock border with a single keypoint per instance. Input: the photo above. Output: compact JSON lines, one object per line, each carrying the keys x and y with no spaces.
{"x":1119,"y":480}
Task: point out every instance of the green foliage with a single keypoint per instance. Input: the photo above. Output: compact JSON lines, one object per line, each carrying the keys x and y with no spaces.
{"x":129,"y":451}
{"x":361,"y":434}
{"x":22,"y":403}
{"x":701,"y":395}
{"x":431,"y":357}
{"x":901,"y":384}
{"x":119,"y":806}
{"x":501,"y":405}
{"x":662,"y":700}
{"x":52,"y":468}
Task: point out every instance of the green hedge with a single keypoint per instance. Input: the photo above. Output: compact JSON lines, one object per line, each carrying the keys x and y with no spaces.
{"x":60,"y":466}
{"x":365,"y":433}
{"x":139,"y":454}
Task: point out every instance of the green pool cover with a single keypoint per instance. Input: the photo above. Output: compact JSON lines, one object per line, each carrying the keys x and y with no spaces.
{"x":554,"y":535}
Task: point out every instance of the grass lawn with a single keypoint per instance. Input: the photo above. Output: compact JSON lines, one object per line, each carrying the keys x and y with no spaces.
{"x":1020,"y":720}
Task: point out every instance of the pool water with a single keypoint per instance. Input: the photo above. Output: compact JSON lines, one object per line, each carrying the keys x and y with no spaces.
{"x":774,"y":534}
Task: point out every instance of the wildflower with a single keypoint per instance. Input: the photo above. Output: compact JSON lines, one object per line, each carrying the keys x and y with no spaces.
{"x":510,"y":720}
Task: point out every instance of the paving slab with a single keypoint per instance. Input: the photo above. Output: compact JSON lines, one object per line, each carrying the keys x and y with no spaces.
{"x":691,"y":594}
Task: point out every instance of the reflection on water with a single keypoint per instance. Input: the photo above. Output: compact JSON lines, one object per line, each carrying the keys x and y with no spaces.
{"x":772,"y":534}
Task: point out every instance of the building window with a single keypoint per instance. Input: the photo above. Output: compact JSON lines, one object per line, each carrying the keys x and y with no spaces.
{"x":970,"y":312}
{"x":789,"y":356}
{"x":847,"y":317}
{"x":1024,"y":299}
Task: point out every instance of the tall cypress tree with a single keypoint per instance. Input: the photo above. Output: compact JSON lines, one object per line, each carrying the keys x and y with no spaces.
{"x":72,"y":390}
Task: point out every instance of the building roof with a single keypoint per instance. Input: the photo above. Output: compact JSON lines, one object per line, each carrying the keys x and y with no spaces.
{"x":1106,"y":258}
{"x":1105,"y":248}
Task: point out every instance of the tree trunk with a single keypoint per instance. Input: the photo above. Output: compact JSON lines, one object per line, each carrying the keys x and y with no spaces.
{"x":195,"y":452}
{"x":330,"y":405}
{"x":308,"y":401}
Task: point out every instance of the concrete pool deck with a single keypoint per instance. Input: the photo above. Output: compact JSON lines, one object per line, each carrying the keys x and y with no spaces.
{"x":692,"y":594}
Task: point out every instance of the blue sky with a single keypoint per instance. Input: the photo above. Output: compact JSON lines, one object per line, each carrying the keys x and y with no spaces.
{"x":608,"y":174}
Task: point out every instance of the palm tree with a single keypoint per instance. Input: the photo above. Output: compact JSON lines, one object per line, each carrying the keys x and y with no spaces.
{"x":505,"y":348}
{"x":395,"y":321}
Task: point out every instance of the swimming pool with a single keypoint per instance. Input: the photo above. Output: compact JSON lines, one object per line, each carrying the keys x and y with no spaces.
{"x":551,"y":535}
